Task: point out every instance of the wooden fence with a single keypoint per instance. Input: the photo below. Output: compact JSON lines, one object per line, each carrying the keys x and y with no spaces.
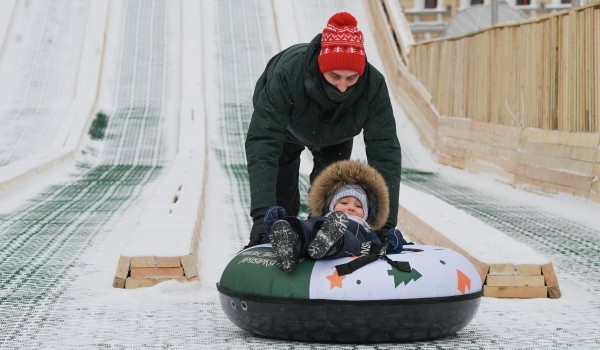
{"x":519,"y":101}
{"x":543,"y":73}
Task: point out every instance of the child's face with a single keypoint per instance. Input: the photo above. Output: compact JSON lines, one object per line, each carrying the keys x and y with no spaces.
{"x":350,"y":206}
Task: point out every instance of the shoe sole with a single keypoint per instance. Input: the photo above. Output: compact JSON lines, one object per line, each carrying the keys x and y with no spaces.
{"x":332,"y":230}
{"x":283,"y":239}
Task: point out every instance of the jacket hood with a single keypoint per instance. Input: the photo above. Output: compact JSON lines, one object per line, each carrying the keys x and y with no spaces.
{"x":351,"y":172}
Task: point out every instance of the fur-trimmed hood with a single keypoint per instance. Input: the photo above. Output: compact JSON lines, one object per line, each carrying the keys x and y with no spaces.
{"x":351,"y":172}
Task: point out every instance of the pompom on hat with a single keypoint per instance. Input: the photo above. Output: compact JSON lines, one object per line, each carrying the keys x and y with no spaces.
{"x":342,"y":45}
{"x":351,"y":190}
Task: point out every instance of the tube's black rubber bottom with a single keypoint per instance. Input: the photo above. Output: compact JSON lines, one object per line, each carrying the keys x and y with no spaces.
{"x":332,"y":321}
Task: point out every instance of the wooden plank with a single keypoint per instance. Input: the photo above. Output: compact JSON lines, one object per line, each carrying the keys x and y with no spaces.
{"x":451,"y":161}
{"x":515,"y":292}
{"x":577,"y":139}
{"x":554,"y":177}
{"x":188,"y":262}
{"x":514,"y":280}
{"x":596,"y":175}
{"x":502,"y":269}
{"x":500,"y":163}
{"x":156,"y":272}
{"x":515,"y":269}
{"x":560,"y":152}
{"x":401,"y":27}
{"x":545,"y":187}
{"x":529,"y":270}
{"x":450,"y":151}
{"x":553,"y":162}
{"x":168,"y":261}
{"x":594,"y":64}
{"x":143,"y":261}
{"x":551,"y":281}
{"x":119,"y":282}
{"x":123,"y":267}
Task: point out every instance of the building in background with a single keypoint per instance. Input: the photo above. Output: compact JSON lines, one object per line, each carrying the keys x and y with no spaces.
{"x":429,"y":18}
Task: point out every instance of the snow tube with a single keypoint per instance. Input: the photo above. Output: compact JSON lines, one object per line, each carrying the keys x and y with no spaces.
{"x":437,"y":295}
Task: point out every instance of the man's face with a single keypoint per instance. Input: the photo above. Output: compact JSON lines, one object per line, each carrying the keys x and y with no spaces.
{"x":341,"y":79}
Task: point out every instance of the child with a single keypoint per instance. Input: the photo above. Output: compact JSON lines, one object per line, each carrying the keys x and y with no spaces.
{"x":348,"y":202}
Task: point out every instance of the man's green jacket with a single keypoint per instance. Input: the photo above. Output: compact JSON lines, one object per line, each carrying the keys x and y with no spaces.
{"x":290,"y":105}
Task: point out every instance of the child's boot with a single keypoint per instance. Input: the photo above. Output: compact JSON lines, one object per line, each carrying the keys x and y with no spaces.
{"x":328,"y":240}
{"x":286,"y":245}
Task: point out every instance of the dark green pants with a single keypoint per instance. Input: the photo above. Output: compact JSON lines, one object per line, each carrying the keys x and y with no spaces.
{"x":288,"y":193}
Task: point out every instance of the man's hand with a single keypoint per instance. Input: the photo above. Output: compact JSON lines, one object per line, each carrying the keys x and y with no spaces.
{"x":258,"y":234}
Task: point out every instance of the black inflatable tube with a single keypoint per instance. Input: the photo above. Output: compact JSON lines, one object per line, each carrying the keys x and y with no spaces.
{"x":362,"y":321}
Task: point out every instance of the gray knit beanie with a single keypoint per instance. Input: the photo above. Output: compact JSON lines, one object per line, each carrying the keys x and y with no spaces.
{"x":354,"y":191}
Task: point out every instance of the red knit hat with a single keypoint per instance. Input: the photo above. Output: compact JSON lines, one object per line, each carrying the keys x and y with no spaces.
{"x":342,"y":45}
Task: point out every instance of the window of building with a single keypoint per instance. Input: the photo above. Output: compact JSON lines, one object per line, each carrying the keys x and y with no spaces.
{"x":522,"y":2}
{"x":430,"y":4}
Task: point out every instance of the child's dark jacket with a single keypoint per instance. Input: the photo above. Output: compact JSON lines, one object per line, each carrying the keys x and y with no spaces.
{"x":358,"y":240}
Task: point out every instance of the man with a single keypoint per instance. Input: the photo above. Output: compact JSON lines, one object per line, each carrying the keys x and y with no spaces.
{"x":318,"y":95}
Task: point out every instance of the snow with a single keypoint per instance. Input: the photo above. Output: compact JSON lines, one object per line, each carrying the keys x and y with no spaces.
{"x":513,"y":323}
{"x":173,"y":206}
{"x":6,"y":12}
{"x":472,"y":235}
{"x":577,"y":209}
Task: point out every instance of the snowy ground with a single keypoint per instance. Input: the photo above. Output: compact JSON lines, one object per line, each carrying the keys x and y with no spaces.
{"x":61,"y":235}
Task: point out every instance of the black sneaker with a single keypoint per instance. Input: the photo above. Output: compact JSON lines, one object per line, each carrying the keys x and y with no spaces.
{"x":286,"y":245}
{"x":331,"y":231}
